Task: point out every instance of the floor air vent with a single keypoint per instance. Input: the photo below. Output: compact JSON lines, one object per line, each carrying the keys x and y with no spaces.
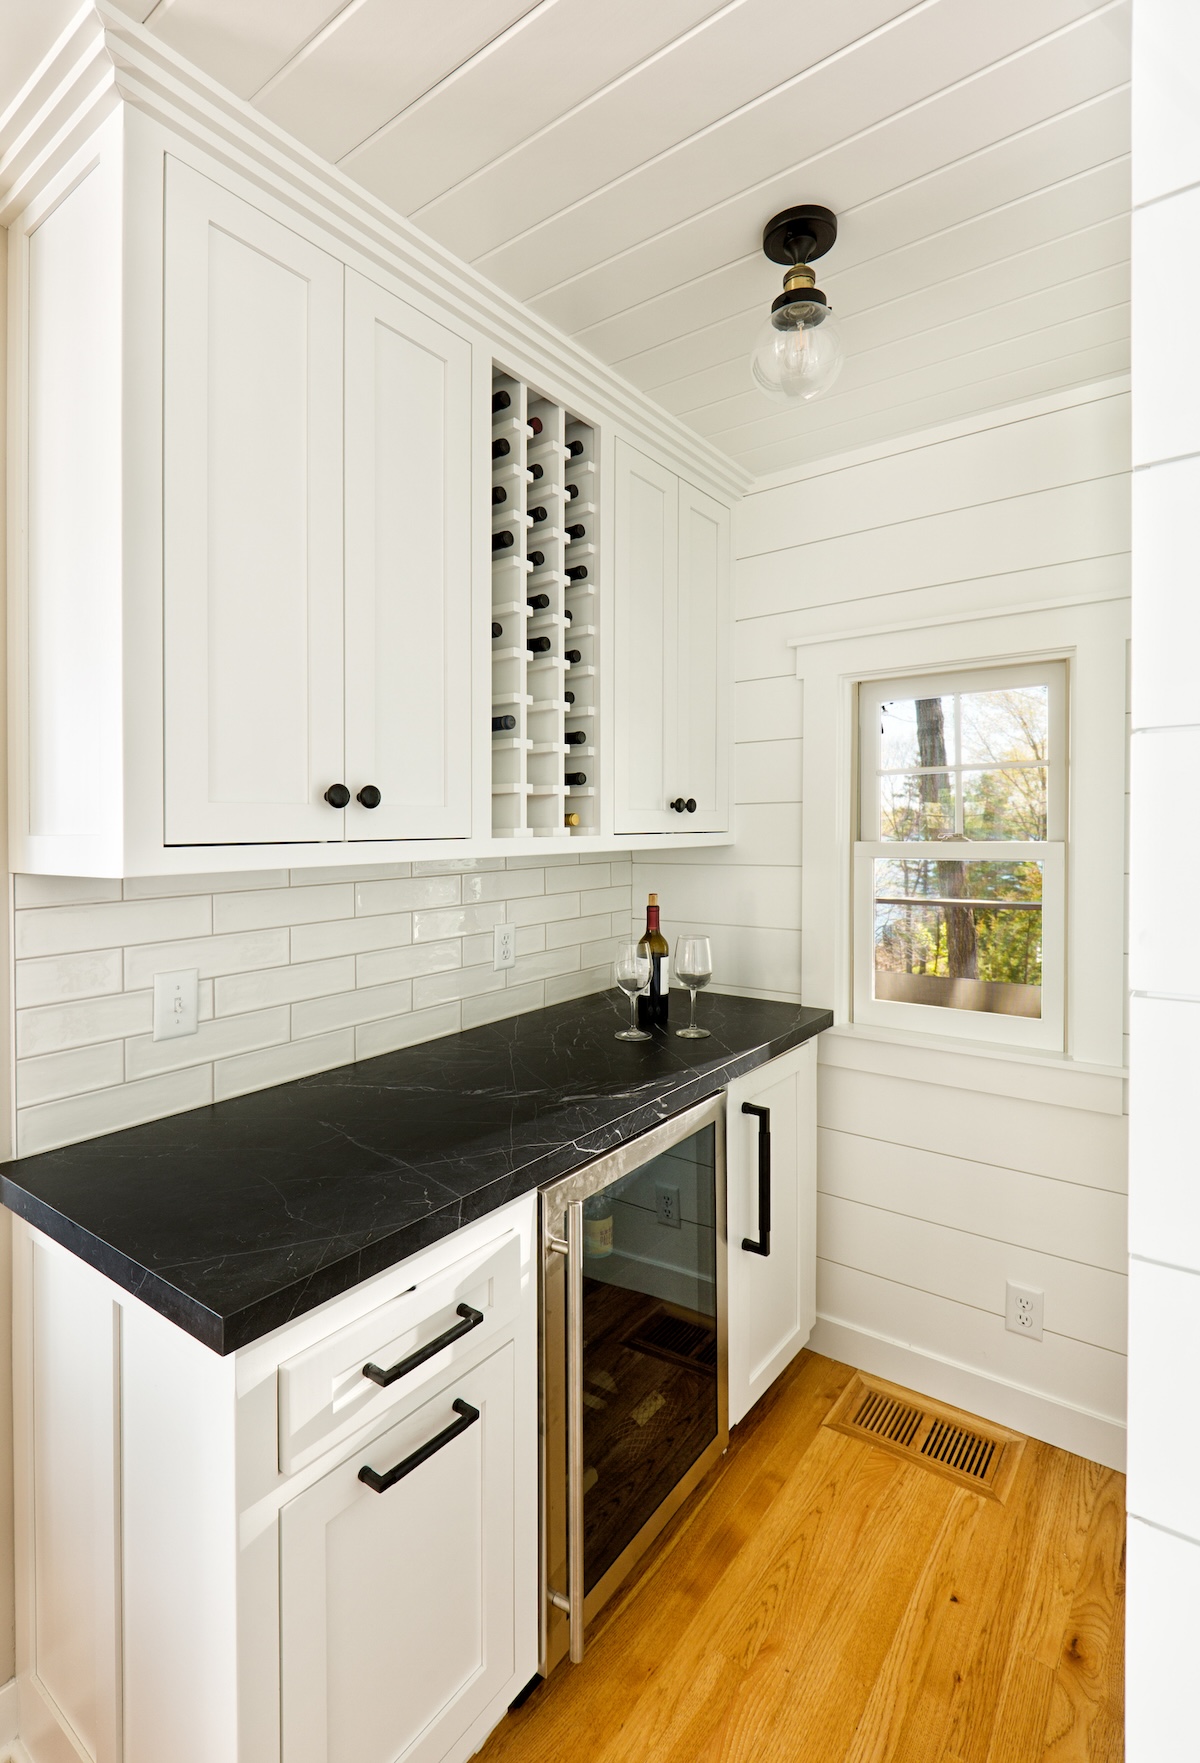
{"x":964,"y":1449}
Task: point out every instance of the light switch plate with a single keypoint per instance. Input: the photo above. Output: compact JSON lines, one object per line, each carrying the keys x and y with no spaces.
{"x":176,"y":1004}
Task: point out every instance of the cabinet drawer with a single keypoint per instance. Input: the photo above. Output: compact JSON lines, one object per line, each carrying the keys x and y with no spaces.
{"x":325,"y":1394}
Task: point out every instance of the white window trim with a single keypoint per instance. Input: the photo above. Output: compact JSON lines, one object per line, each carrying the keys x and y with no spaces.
{"x":1045,"y":1032}
{"x":1092,"y":636}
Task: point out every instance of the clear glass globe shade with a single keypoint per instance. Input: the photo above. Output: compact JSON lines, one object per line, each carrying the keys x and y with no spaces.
{"x":798,"y":352}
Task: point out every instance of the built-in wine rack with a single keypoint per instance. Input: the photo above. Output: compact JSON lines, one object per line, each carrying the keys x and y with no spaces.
{"x":544,"y":596}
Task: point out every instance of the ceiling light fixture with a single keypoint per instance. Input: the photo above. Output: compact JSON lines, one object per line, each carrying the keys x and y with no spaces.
{"x":798,"y":351}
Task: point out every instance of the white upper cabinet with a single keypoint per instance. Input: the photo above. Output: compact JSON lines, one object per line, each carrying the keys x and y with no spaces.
{"x":408,"y":570}
{"x":672,"y":667}
{"x":252,"y":512}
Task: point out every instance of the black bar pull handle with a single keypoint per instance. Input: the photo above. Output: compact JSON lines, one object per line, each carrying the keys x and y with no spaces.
{"x":379,"y":1484}
{"x":470,"y":1319}
{"x":761,"y":1246}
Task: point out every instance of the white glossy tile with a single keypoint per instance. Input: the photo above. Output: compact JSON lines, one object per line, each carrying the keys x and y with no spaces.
{"x":514,"y":1001}
{"x":283,"y":906}
{"x":503,"y":884}
{"x":732,"y":894}
{"x":62,"y":890}
{"x":1163,"y":1574}
{"x":110,"y":1110}
{"x":55,"y":1075}
{"x":351,"y":936}
{"x":580,"y":875}
{"x":600,"y":953}
{"x":1164,"y":857}
{"x":578,"y":985}
{"x":146,"y":1057}
{"x":406,"y":896}
{"x":565,"y":931}
{"x":1164,"y":1130}
{"x":349,"y":872}
{"x":157,"y":887}
{"x":456,"y":865}
{"x":53,"y":1027}
{"x":544,"y":965}
{"x":543,"y":859}
{"x":542,"y":910}
{"x":463,"y":982}
{"x":210,"y":956}
{"x":455,"y":921}
{"x":1166,"y":338}
{"x":64,"y":930}
{"x":280,"y":1065}
{"x":58,"y":978}
{"x":239,"y":992}
{"x":1166,"y":605}
{"x":390,"y":964}
{"x":593,"y":900}
{"x":345,"y":1009}
{"x":373,"y":1038}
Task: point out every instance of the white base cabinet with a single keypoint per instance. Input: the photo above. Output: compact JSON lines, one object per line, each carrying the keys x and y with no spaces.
{"x":203,"y":1574}
{"x":772,"y":1296}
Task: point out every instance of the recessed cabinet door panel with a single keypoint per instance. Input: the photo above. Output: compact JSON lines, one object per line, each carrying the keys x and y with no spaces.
{"x":772,"y":1298}
{"x":408,"y":569}
{"x":252,"y":542}
{"x":398,"y":1607}
{"x":702,"y":691}
{"x":647,"y":564}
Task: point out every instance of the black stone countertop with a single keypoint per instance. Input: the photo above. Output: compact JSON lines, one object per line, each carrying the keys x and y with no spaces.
{"x":232,"y":1219}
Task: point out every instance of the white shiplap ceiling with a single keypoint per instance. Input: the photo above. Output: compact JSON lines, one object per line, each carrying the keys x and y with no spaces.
{"x":613,"y":164}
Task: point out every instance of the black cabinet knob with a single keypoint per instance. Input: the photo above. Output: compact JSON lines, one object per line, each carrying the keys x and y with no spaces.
{"x":678,"y":804}
{"x":337,"y":795}
{"x":690,"y":804}
{"x":369,"y":796}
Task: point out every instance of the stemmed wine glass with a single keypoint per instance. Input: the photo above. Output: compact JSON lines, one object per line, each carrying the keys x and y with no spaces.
{"x":632,"y":969}
{"x":693,"y":966}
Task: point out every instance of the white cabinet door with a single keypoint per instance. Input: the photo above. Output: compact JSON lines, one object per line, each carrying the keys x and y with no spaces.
{"x":647,"y":574}
{"x":252,"y":510}
{"x":702,"y":686}
{"x":408,"y":569}
{"x":772,"y":1297}
{"x":398,"y":1607}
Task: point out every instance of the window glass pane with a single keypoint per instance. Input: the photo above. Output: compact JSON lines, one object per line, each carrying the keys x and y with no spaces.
{"x":916,"y":732}
{"x":1005,"y":804}
{"x":1000,"y":727}
{"x":961,"y":936}
{"x":917,"y":806}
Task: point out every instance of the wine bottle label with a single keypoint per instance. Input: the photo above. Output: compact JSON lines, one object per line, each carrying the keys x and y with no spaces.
{"x":598,"y":1236}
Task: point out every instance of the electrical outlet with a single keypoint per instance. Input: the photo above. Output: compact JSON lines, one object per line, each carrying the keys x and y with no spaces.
{"x":666,"y":1204}
{"x":1023,"y":1311}
{"x":504,"y":948}
{"x":176,"y":1004}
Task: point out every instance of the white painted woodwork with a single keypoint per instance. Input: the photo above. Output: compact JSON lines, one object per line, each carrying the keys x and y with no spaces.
{"x":645,"y":614}
{"x":699,"y":708}
{"x":772,"y":1298}
{"x":398,"y":1626}
{"x":252,"y":508}
{"x":408,"y":569}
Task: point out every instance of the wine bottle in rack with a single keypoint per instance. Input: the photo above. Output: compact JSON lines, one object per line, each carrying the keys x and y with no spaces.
{"x":537,"y":558}
{"x":501,"y":449}
{"x":497,"y":629}
{"x":574,"y":448}
{"x":574,"y":655}
{"x":653,"y":1002}
{"x":536,"y":472}
{"x":502,"y":541}
{"x":539,"y":602}
{"x":570,"y":491}
{"x":499,"y":495}
{"x":535,"y":423}
{"x":500,"y":401}
{"x":501,"y":723}
{"x":575,"y":777}
{"x":577,"y":531}
{"x":577,"y":572}
{"x":569,"y":696}
{"x":570,"y":820}
{"x":569,"y":615}
{"x":538,"y":645}
{"x":575,"y":737}
{"x":538,"y":515}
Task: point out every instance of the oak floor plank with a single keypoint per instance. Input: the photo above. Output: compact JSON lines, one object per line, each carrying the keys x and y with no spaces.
{"x":820,"y":1601}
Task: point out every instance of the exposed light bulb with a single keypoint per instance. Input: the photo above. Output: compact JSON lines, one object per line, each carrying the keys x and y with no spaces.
{"x":798,"y":353}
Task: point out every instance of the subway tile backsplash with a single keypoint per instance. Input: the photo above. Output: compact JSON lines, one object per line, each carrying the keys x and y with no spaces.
{"x":298,"y":972}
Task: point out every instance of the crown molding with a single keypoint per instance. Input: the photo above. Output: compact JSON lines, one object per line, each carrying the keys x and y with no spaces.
{"x":104,"y":59}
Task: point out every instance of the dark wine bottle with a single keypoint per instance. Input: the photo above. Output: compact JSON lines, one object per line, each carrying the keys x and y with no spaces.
{"x":571,"y":491}
{"x":501,"y":401}
{"x":574,"y":655}
{"x":577,"y":572}
{"x":502,"y":541}
{"x":500,"y":723}
{"x":574,"y":448}
{"x":501,"y":449}
{"x":575,"y":737}
{"x":568,"y":615}
{"x":497,"y":629}
{"x":537,"y":558}
{"x":538,"y":645}
{"x":499,"y":494}
{"x":536,"y":472}
{"x":569,"y":696}
{"x":535,"y":423}
{"x":538,"y":515}
{"x":653,"y":1002}
{"x":578,"y":531}
{"x":539,"y":602}
{"x":575,"y":777}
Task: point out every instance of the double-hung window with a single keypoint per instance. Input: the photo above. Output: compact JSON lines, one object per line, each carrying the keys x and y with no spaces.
{"x":959,"y":867}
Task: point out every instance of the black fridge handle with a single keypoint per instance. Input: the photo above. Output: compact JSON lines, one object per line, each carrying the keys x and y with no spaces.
{"x":470,"y":1319}
{"x":379,"y":1484}
{"x":762,"y":1244}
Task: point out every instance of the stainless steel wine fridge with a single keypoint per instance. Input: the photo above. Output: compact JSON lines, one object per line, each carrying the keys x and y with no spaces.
{"x":634,"y":1365}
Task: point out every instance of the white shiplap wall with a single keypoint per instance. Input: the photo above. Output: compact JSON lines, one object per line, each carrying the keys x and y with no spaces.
{"x":946,"y":1175}
{"x":1164,"y":1225}
{"x":298,"y":973}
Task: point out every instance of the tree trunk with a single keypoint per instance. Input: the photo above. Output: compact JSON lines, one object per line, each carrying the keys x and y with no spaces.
{"x":962,"y":948}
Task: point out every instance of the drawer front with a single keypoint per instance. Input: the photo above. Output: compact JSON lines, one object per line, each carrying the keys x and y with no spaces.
{"x":325,"y":1394}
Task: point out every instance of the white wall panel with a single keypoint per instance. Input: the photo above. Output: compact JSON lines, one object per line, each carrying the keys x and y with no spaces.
{"x":1166,"y":349}
{"x":1164,"y":1130}
{"x":1163,"y":1598}
{"x":1164,"y":1431}
{"x":1166,"y":604}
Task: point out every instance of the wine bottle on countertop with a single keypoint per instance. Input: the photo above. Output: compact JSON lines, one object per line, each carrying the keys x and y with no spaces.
{"x":501,"y":449}
{"x":574,"y":448}
{"x":653,"y":1002}
{"x":537,"y":558}
{"x":575,"y":737}
{"x":538,"y":645}
{"x":502,"y":541}
{"x":575,"y":777}
{"x":500,"y":723}
{"x":577,"y":572}
{"x":499,"y":495}
{"x":497,"y":629}
{"x":539,"y":602}
{"x":500,"y":401}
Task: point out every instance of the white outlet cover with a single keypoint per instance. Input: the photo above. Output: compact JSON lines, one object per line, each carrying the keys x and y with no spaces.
{"x":1023,"y":1311}
{"x":176,"y":1004}
{"x":504,"y":948}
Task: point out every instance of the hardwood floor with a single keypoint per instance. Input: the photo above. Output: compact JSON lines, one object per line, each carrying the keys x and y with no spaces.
{"x":820,"y":1601}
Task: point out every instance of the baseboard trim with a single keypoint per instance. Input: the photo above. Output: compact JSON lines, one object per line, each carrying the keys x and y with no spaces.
{"x":8,"y":1715}
{"x":1080,"y":1430}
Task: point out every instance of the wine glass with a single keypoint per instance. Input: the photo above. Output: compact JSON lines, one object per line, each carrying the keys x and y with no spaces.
{"x":693,"y":966}
{"x":632,"y":969}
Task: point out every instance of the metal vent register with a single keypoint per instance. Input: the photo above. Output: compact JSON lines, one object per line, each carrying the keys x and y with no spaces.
{"x":964,"y":1449}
